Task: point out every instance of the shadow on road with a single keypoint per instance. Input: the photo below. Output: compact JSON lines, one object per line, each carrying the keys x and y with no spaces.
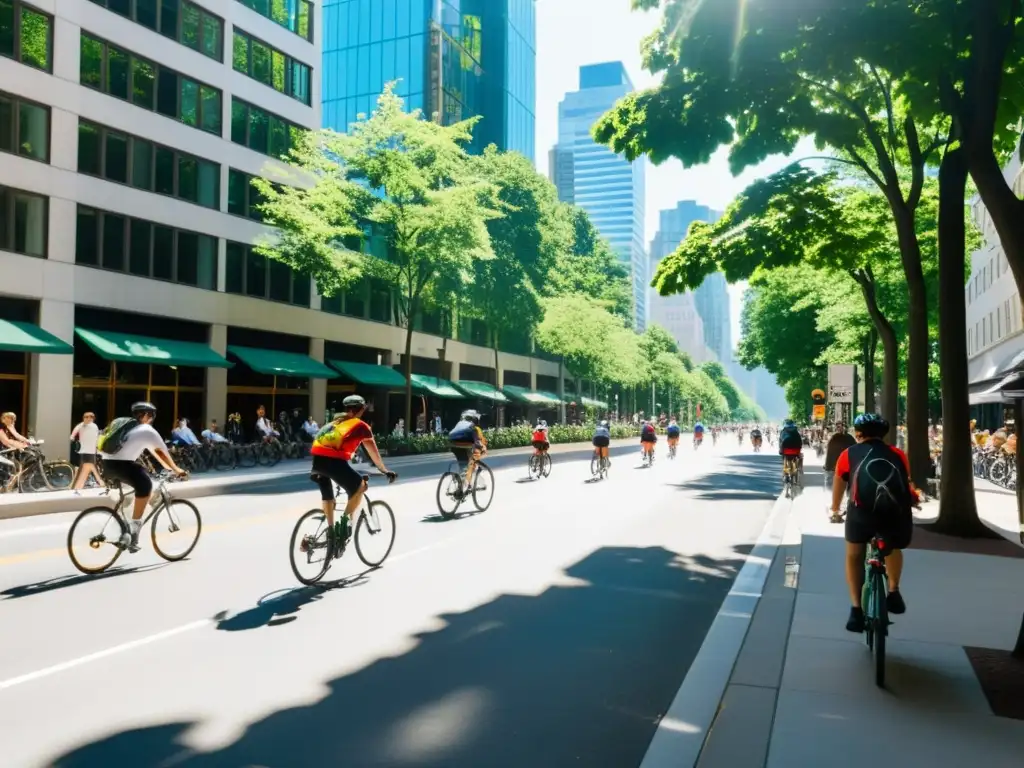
{"x":62,"y":582}
{"x":281,"y":607}
{"x":743,"y":478}
{"x":577,"y":675}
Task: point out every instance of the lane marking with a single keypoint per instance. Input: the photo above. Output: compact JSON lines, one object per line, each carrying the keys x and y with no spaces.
{"x":30,"y":531}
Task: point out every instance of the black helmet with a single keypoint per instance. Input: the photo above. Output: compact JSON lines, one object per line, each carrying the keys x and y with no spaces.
{"x":353,"y":402}
{"x":871,"y":425}
{"x":143,"y":407}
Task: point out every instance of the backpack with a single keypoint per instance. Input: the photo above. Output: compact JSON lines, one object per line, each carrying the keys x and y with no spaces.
{"x":464,"y":432}
{"x":113,"y":437}
{"x":879,"y":483}
{"x":648,"y":429}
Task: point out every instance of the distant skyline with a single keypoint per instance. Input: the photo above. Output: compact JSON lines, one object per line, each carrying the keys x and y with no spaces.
{"x":572,"y":33}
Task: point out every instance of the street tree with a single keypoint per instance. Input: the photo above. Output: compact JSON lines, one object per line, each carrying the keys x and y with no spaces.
{"x":409,"y":179}
{"x":759,"y":77}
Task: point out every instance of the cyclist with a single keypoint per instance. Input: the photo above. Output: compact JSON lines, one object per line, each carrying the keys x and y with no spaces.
{"x":698,"y":434}
{"x":333,"y":448}
{"x":602,"y":439}
{"x":755,"y":438}
{"x":714,"y":435}
{"x":540,"y":441}
{"x":791,"y":442}
{"x":882,"y":473}
{"x":648,"y":439}
{"x":673,"y":435}
{"x":120,"y":446}
{"x":838,"y":443}
{"x":468,"y":443}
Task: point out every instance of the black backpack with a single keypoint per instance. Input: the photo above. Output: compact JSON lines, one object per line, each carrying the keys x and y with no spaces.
{"x":113,"y":437}
{"x":880,"y":483}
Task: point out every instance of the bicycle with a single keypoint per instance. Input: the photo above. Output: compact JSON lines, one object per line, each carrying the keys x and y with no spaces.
{"x":182,"y":516}
{"x":454,"y":491}
{"x":873,"y":600}
{"x":371,"y":520}
{"x":696,"y":442}
{"x":790,"y":475}
{"x":599,"y":466}
{"x":648,"y":459}
{"x":539,"y":465}
{"x":671,"y":451}
{"x":29,"y":471}
{"x":269,"y":452}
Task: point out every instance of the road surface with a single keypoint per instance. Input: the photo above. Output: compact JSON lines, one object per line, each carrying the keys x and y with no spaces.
{"x":552,"y":630}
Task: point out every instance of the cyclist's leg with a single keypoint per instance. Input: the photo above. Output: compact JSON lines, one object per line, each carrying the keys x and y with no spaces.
{"x":320,"y":473}
{"x":135,"y":476}
{"x":474,"y":457}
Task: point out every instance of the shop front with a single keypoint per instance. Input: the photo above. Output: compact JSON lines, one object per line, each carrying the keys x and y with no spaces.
{"x":19,"y":340}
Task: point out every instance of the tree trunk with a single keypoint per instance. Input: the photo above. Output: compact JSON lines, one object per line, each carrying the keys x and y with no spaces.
{"x":870,"y":347}
{"x":918,"y":343}
{"x":561,"y":390}
{"x":890,"y":350}
{"x":410,"y":314}
{"x":958,"y":511}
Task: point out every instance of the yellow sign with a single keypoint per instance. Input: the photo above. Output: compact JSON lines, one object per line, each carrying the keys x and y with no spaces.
{"x":817,"y":397}
{"x":819,"y":412}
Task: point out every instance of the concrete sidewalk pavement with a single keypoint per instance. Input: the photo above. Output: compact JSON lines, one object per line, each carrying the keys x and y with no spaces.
{"x":802,"y":691}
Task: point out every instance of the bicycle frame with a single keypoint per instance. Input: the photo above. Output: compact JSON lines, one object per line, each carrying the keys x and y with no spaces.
{"x":123,"y":499}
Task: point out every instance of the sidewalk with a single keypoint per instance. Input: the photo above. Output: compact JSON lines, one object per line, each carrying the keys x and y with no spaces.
{"x":211,"y":483}
{"x":802,"y":690}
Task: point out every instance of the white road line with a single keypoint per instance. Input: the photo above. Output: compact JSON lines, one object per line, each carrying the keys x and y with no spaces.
{"x":680,"y":735}
{"x":66,"y":665}
{"x":36,"y":529}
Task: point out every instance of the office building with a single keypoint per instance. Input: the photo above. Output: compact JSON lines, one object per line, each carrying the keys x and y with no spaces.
{"x":607,"y":186}
{"x":453,"y":58}
{"x":130,"y":132}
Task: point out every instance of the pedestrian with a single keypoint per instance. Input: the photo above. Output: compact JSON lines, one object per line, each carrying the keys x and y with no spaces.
{"x":86,"y":433}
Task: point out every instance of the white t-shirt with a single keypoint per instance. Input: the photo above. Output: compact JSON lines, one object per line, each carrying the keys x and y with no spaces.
{"x":140,"y":439}
{"x":87,"y":434}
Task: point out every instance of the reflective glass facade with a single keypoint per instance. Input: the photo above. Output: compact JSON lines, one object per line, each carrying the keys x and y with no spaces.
{"x":459,"y":58}
{"x":607,"y":186}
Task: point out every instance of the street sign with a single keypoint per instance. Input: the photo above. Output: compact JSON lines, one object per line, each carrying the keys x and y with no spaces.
{"x":841,"y":382}
{"x":839,"y":393}
{"x":819,"y":413}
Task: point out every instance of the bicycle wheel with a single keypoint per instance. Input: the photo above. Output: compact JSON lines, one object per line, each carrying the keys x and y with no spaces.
{"x":224,"y":457}
{"x":246,"y":456}
{"x":31,"y":479}
{"x":94,"y":539}
{"x":375,"y":534}
{"x":483,"y":487}
{"x":545,"y":465}
{"x":881,"y":622}
{"x":181,"y":526}
{"x":58,"y":475}
{"x":596,"y":467}
{"x":534,"y":467}
{"x":449,"y":494}
{"x":311,"y":546}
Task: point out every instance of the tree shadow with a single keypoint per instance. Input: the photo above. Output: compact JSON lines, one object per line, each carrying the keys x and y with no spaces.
{"x":577,"y":675}
{"x":63,"y":582}
{"x":757,"y":477}
{"x":281,"y":607}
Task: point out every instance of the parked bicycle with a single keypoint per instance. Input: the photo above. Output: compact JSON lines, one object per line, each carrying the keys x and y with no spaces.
{"x":873,"y":601}
{"x":103,"y":531}
{"x":311,"y":544}
{"x":451,"y":492}
{"x":28,"y":471}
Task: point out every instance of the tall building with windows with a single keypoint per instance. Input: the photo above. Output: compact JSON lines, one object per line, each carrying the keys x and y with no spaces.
{"x":129,"y":133}
{"x":454,"y":58}
{"x":607,"y":186}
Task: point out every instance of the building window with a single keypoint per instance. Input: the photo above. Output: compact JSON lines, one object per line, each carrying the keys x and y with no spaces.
{"x":125,"y":75}
{"x":243,"y":197}
{"x":249,"y":273}
{"x":262,"y":131}
{"x":144,"y":248}
{"x":23,"y":222}
{"x":127,"y":159}
{"x":294,"y":15}
{"x":184,"y":22}
{"x":26,"y":35}
{"x":269,"y":66}
{"x":24,"y":127}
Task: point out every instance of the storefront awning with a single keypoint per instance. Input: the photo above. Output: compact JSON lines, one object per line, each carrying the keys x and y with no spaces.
{"x":590,"y":402}
{"x":369,"y":375}
{"x":436,"y":387}
{"x":1000,"y":391}
{"x":481,"y":389}
{"x":524,"y":395}
{"x":275,"y":363}
{"x":129,"y":348}
{"x":16,"y":336}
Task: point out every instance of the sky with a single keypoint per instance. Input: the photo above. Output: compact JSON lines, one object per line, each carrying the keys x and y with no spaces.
{"x":571,"y":33}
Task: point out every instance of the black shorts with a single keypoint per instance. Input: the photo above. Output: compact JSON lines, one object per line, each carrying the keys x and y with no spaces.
{"x":541,"y":445}
{"x":130,"y":474}
{"x":87,"y":458}
{"x":862,"y":526}
{"x":464,"y":452}
{"x":648,"y":438}
{"x":601,"y":441}
{"x":328,"y":470}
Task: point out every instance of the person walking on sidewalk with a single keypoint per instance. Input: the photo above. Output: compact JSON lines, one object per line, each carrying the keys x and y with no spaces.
{"x":881,"y":498}
{"x":86,"y":433}
{"x":838,"y":443}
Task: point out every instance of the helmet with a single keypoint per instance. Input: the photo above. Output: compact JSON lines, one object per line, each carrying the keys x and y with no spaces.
{"x":871,"y":425}
{"x":143,"y":407}
{"x":604,"y":423}
{"x":541,"y":424}
{"x":789,"y":423}
{"x":353,"y":402}
{"x":471,"y":415}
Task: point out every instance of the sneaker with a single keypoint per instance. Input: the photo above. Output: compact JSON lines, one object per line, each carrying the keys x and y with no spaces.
{"x":894,"y":602}
{"x":856,"y":621}
{"x":133,"y":544}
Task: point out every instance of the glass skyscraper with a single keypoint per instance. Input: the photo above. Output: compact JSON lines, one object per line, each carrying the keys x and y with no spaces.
{"x":454,"y":58}
{"x":607,"y":186}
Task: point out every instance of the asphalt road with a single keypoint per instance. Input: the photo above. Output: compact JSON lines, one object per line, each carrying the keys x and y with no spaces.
{"x":552,"y":630}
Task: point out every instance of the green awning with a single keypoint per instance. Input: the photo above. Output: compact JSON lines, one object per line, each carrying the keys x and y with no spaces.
{"x":590,"y":402}
{"x":436,"y":387}
{"x":369,"y":375}
{"x":524,"y":395}
{"x":129,"y":348}
{"x":275,"y":363}
{"x":16,"y":336}
{"x":482,"y":390}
